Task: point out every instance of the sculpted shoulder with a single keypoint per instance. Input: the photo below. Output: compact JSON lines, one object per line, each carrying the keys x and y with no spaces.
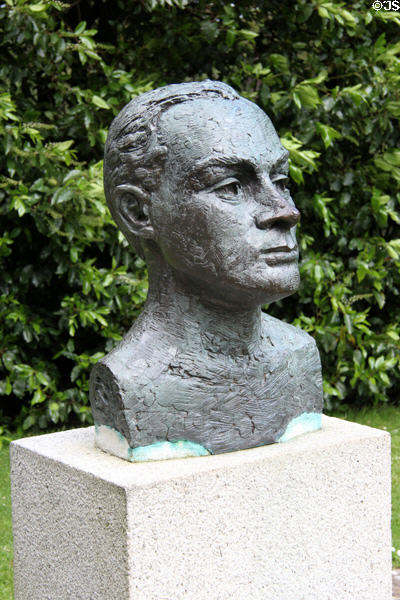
{"x":142,"y":355}
{"x":126,"y":373}
{"x":283,"y":334}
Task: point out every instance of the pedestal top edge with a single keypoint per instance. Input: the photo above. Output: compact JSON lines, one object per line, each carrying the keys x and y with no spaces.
{"x":75,"y":448}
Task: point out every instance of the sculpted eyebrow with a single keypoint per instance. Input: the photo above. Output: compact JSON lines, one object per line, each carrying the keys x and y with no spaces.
{"x":281,"y":162}
{"x":202,"y":168}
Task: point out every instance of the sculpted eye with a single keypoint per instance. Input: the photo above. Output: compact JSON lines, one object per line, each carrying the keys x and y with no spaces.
{"x":281,"y":181}
{"x":229,"y":189}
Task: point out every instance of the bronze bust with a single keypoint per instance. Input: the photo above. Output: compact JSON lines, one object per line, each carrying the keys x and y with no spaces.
{"x":195,"y":177}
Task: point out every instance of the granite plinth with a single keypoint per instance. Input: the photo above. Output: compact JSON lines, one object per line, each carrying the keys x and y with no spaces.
{"x":308,"y":519}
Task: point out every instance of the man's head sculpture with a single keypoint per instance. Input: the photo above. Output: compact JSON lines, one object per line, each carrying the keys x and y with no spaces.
{"x":196,"y":178}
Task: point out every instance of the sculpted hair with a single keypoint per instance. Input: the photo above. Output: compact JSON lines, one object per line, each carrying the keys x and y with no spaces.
{"x":134,"y":154}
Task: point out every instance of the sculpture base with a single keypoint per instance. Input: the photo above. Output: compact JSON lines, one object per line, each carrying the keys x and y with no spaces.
{"x":308,"y":519}
{"x":112,"y":441}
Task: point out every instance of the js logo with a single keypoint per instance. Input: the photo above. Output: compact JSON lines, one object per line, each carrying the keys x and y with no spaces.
{"x":386,"y":5}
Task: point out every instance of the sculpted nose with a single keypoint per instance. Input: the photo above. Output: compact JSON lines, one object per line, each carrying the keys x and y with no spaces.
{"x":281,"y":214}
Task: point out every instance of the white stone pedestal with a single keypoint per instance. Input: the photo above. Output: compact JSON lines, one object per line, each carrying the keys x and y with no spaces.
{"x":305,"y":520}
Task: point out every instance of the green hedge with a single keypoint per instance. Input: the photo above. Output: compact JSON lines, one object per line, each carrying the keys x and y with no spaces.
{"x":329,"y":78}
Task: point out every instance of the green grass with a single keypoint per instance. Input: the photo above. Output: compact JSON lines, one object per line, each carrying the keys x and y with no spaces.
{"x":5,"y":527}
{"x":387,"y":418}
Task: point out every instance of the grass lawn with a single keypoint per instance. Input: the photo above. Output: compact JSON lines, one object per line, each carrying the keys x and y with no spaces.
{"x":387,"y":418}
{"x":5,"y":527}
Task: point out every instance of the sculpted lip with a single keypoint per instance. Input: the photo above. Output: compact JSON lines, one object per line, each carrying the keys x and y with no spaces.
{"x":280,"y":255}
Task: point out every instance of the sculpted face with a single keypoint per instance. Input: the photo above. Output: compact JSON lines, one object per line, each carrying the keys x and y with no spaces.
{"x":223,"y":216}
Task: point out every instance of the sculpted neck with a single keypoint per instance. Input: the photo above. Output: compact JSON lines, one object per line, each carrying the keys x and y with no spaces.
{"x":184,"y":310}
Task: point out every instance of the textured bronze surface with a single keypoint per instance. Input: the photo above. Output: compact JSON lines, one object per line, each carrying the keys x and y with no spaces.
{"x":196,"y":178}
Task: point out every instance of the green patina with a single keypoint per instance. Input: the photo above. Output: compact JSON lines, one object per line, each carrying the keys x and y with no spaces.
{"x":306,"y":422}
{"x":162,"y":450}
{"x":157,"y":451}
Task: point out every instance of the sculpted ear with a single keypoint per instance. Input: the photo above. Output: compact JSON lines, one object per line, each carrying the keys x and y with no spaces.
{"x":131,"y":205}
